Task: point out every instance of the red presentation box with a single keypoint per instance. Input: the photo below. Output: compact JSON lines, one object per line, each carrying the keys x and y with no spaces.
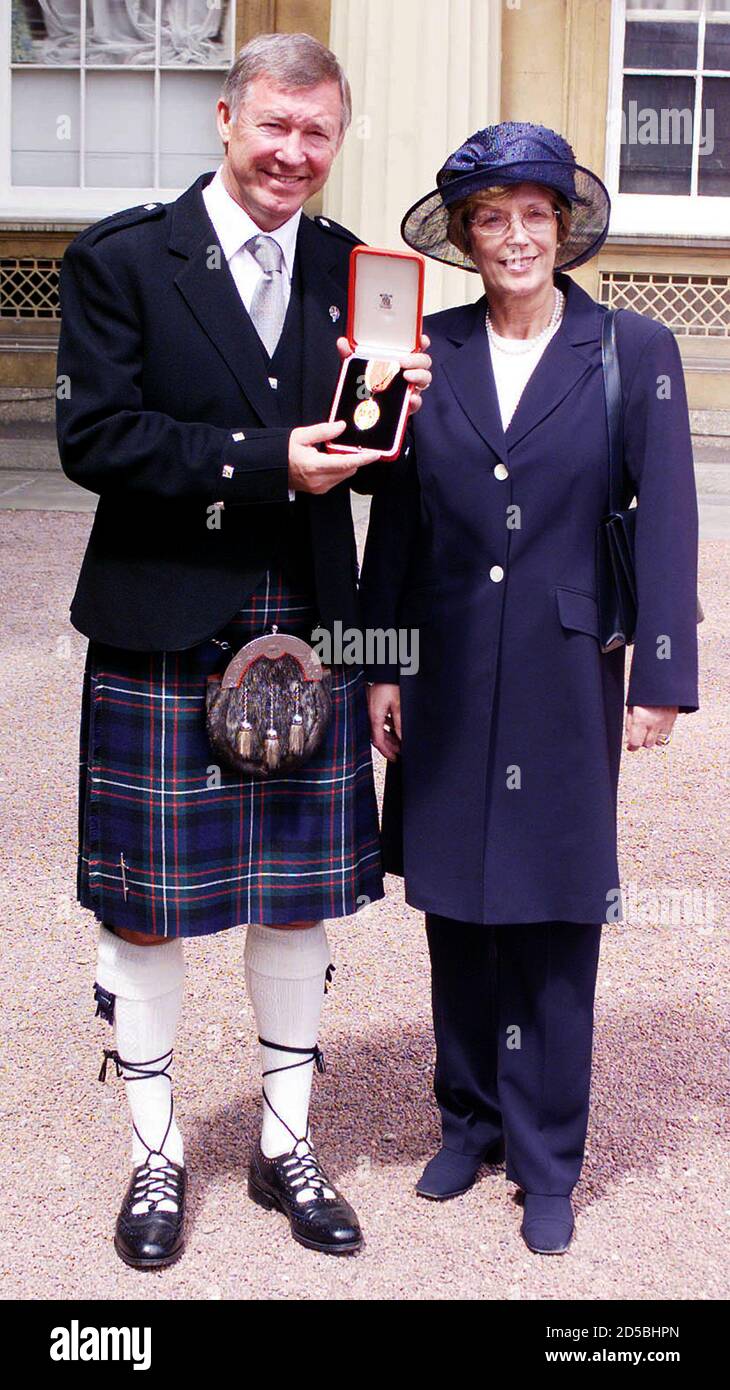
{"x":384,"y":318}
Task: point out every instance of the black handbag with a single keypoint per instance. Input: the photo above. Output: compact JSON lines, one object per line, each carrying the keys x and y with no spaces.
{"x":616,"y":533}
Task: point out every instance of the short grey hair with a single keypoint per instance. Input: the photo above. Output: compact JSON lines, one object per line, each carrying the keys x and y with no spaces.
{"x":294,"y":61}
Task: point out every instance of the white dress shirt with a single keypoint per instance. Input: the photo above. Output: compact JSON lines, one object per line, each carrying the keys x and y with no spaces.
{"x":233,"y":228}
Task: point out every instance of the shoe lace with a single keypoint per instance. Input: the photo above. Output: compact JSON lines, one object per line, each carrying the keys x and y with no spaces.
{"x":305,"y":1173}
{"x":308,"y":1055}
{"x":149,"y":1173}
{"x":302,"y":1168}
{"x":152,"y":1186}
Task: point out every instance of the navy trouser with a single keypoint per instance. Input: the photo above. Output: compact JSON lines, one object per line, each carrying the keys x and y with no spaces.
{"x":513,"y":1018}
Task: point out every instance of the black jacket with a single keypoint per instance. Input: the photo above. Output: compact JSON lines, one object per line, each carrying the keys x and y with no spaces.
{"x":165,"y":409}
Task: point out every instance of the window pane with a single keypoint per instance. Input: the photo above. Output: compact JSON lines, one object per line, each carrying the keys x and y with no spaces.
{"x":189,"y":140}
{"x":47,"y":33}
{"x":196,"y":32}
{"x":717,"y":47}
{"x":45,"y":129}
{"x":714,"y":178}
{"x":119,"y":130}
{"x":661,"y":45}
{"x":118,"y":32}
{"x":656,"y":138}
{"x":665,"y":5}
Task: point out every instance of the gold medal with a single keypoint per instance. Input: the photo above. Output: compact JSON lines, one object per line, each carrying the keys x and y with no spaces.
{"x":379,"y":374}
{"x":367,"y":414}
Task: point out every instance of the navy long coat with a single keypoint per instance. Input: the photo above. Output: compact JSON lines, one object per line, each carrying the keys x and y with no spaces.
{"x":502,"y":807}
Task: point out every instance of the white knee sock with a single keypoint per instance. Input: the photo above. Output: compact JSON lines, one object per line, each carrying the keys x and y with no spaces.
{"x":285,"y":975}
{"x":147,"y":982}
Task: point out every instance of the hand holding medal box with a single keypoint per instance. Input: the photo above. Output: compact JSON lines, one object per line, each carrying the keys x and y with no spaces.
{"x":384,"y":320}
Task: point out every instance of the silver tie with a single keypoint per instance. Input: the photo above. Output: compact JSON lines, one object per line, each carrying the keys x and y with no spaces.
{"x":268,"y":307}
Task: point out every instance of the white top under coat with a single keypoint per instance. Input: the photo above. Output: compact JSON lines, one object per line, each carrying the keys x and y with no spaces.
{"x":512,"y":370}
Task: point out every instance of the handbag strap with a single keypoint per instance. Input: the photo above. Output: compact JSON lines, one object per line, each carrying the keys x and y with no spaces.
{"x":614,"y":409}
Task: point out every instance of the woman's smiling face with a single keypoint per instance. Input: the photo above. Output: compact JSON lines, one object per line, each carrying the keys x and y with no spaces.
{"x":512,"y":260}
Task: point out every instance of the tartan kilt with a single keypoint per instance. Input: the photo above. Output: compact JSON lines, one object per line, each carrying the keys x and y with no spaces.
{"x":169,"y":843}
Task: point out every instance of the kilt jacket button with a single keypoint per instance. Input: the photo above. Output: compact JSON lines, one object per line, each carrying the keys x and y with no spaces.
{"x":496,"y":573}
{"x":228,"y":470}
{"x":501,"y":471}
{"x":238,"y":436}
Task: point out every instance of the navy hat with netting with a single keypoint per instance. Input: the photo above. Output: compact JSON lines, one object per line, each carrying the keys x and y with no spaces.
{"x":512,"y":152}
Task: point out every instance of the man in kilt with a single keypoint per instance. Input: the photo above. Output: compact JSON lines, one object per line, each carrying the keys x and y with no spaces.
{"x":197,"y":361}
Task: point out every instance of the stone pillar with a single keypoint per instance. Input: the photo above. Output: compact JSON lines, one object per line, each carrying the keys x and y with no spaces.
{"x":585,"y":98}
{"x":424,"y":76}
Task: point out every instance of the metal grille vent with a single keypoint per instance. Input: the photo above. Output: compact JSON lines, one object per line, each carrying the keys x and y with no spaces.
{"x":696,"y":306}
{"x":29,"y":287}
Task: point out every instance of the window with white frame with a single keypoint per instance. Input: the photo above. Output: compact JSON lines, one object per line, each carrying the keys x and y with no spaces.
{"x":112,"y":95}
{"x":668,"y":145}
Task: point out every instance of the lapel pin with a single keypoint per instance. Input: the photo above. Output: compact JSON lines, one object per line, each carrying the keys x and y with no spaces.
{"x":334,"y":313}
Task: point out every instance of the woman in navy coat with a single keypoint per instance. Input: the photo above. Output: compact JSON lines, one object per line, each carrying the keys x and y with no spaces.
{"x":504,"y":744}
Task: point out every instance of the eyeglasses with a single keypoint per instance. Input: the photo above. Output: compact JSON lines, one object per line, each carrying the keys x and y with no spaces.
{"x":494,"y":223}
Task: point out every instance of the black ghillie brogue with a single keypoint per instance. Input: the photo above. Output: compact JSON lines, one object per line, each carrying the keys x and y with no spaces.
{"x":296,"y":1183}
{"x":154,"y":1235}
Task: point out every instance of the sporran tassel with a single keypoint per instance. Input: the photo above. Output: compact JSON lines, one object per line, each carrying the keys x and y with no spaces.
{"x":296,"y":735}
{"x":296,"y":728}
{"x":244,"y":737}
{"x":272,"y":747}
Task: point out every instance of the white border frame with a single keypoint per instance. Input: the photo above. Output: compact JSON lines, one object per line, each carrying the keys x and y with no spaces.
{"x":59,"y":204}
{"x":651,"y":214}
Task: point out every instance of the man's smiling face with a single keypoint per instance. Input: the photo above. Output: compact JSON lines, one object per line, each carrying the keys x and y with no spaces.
{"x":280,"y":147}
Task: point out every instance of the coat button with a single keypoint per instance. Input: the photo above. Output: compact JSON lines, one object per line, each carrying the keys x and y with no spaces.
{"x":501,"y":471}
{"x":496,"y":573}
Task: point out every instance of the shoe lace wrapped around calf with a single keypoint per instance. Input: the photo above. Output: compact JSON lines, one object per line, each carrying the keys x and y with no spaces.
{"x":157,"y":1183}
{"x":301,"y":1168}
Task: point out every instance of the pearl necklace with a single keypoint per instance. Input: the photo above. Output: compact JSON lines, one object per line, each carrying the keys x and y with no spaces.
{"x":518,"y":346}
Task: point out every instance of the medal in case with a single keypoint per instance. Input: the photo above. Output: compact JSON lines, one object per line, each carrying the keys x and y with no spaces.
{"x":384,"y":319}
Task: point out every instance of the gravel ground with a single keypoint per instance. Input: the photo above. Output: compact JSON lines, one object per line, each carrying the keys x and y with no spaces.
{"x":650,"y":1203}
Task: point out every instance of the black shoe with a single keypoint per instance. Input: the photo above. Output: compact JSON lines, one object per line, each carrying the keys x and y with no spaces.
{"x":324,"y":1221}
{"x":547,"y":1224}
{"x":449,"y":1174}
{"x":153,"y":1238}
